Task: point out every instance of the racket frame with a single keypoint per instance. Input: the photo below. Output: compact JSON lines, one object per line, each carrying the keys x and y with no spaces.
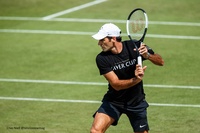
{"x":139,"y":58}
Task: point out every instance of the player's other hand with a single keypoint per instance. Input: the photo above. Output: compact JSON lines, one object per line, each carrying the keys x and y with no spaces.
{"x":139,"y":71}
{"x":143,"y":50}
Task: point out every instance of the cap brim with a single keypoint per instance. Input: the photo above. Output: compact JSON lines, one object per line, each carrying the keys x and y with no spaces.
{"x":98,"y":36}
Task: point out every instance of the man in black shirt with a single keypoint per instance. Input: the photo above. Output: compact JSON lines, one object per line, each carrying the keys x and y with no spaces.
{"x":118,"y":64}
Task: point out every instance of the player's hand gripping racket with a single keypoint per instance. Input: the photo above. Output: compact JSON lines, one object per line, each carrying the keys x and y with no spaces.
{"x":136,"y":27}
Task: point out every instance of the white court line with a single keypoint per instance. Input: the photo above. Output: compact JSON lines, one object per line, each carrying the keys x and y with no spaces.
{"x":92,"y":83}
{"x":96,"y":20}
{"x":48,"y":100}
{"x":90,"y":101}
{"x":91,"y":33}
{"x":73,"y":9}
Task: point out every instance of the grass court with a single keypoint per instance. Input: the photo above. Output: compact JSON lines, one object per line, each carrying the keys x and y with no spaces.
{"x":49,"y":82}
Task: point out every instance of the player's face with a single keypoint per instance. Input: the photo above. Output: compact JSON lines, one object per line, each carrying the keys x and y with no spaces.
{"x":106,"y":44}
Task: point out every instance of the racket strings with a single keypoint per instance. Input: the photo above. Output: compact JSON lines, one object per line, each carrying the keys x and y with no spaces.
{"x":137,"y":24}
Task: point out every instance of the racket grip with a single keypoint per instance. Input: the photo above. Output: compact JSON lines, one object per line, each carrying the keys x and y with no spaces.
{"x":139,"y":59}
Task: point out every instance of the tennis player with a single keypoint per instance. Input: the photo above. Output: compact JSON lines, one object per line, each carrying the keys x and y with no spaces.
{"x":117,"y":63}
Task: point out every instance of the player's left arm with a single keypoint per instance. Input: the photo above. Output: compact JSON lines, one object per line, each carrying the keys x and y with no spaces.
{"x":153,"y":57}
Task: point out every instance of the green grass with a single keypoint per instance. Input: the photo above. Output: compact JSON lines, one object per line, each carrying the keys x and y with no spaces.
{"x":60,"y":57}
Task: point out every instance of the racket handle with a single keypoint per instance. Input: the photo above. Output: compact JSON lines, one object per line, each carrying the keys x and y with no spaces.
{"x":139,"y":59}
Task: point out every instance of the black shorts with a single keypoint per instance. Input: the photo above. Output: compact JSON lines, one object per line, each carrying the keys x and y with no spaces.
{"x":137,"y":115}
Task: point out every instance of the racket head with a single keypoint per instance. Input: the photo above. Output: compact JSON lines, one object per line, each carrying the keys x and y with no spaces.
{"x":137,"y":24}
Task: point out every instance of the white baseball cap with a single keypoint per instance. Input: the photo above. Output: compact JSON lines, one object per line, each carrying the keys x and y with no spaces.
{"x":108,"y":29}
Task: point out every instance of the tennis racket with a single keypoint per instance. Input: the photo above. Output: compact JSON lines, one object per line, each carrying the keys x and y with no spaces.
{"x":136,"y":27}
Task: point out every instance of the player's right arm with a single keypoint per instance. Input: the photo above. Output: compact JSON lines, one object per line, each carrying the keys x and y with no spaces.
{"x":118,"y":84}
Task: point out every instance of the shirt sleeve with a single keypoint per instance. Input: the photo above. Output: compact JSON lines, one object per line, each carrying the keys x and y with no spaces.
{"x":103,"y":65}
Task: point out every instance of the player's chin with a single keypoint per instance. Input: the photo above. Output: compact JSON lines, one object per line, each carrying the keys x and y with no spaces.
{"x":105,"y":49}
